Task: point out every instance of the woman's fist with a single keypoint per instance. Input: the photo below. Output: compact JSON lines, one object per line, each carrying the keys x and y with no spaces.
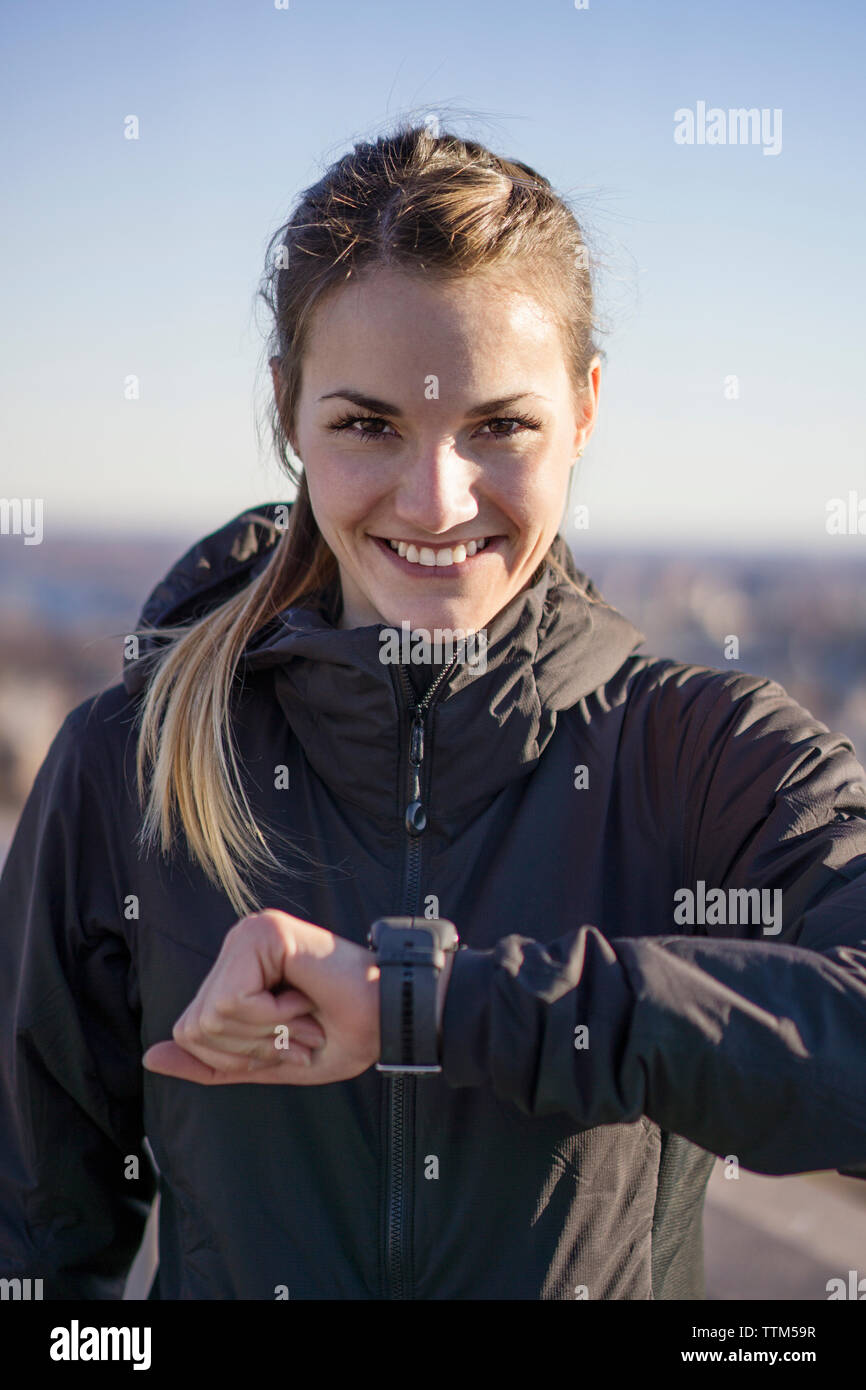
{"x":286,"y":1002}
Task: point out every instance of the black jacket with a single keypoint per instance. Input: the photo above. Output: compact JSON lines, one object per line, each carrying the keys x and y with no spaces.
{"x":574,"y":791}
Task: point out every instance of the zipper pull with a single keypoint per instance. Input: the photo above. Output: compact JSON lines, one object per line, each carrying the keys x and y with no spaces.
{"x":416,"y":816}
{"x":416,"y":743}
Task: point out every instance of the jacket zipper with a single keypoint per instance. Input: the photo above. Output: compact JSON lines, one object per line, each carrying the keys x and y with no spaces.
{"x":401,"y":1110}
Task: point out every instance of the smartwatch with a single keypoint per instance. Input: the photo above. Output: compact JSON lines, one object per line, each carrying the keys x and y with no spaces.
{"x":410,"y":956}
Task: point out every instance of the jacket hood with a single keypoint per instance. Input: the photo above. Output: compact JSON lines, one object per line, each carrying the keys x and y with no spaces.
{"x":548,"y":648}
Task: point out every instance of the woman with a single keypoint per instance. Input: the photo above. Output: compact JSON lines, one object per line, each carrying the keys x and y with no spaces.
{"x":657,"y":871}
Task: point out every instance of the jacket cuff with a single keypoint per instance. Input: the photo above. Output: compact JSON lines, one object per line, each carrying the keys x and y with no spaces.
{"x":511,"y":1020}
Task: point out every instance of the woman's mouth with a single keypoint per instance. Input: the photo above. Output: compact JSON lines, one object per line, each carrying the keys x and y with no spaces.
{"x":428,"y":562}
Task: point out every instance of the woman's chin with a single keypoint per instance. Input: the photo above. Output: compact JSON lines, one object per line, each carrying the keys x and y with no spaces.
{"x":434,"y":614}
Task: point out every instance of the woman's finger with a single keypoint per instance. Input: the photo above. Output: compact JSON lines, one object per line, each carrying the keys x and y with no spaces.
{"x":263,"y":1009}
{"x":202,"y":1026}
{"x":167,"y":1059}
{"x":233,"y":1036}
{"x":259,"y":1054}
{"x":218,"y":1025}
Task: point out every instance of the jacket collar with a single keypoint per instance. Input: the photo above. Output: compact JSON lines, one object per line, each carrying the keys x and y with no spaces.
{"x":547,"y":649}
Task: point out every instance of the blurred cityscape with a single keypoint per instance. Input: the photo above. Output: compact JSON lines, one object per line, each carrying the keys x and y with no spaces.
{"x":65,"y":607}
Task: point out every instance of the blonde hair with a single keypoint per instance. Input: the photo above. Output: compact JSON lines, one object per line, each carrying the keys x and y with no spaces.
{"x":413,"y":200}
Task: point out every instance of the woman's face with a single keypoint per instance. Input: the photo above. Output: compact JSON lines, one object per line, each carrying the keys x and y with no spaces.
{"x":440,"y":373}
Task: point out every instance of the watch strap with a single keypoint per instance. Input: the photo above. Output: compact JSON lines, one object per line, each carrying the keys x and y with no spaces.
{"x":408,"y":1016}
{"x":410,"y":957}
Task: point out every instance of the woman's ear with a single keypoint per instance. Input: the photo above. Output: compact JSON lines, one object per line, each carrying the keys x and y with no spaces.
{"x":586,"y":423}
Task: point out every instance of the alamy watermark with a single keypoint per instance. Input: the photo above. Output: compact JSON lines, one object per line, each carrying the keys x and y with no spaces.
{"x":846,"y":516}
{"x":740,"y":125}
{"x":20,"y":1289}
{"x":77,"y":1343}
{"x":22,"y":516}
{"x":731,"y":907}
{"x":415,"y":646}
{"x":855,"y":1287}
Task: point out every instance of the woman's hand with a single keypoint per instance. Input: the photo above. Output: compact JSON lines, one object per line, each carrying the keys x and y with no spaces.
{"x":286,"y":1002}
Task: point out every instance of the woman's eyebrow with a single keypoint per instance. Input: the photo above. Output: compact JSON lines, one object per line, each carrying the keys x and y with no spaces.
{"x":373,"y":402}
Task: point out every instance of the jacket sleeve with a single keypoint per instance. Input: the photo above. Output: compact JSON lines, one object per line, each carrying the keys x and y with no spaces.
{"x":72,"y":1203}
{"x":743,"y":1042}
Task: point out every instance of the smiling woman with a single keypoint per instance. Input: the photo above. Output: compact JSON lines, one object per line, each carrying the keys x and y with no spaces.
{"x":441,"y":472}
{"x":465,"y":1043}
{"x":434,"y":286}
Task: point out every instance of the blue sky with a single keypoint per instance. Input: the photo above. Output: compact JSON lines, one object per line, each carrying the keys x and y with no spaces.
{"x":144,"y":256}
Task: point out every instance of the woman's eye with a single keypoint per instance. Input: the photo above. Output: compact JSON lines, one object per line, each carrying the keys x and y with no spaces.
{"x":346,"y":426}
{"x":510,"y":420}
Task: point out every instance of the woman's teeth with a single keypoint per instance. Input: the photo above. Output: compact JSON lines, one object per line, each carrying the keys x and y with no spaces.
{"x":454,"y":555}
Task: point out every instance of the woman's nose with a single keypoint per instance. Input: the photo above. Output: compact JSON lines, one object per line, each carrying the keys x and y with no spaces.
{"x":435,"y":490}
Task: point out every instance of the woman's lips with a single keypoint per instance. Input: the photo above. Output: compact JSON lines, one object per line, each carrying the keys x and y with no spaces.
{"x":437,"y":571}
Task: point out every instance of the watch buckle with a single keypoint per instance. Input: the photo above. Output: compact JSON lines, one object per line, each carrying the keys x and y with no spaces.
{"x":383,"y":1066}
